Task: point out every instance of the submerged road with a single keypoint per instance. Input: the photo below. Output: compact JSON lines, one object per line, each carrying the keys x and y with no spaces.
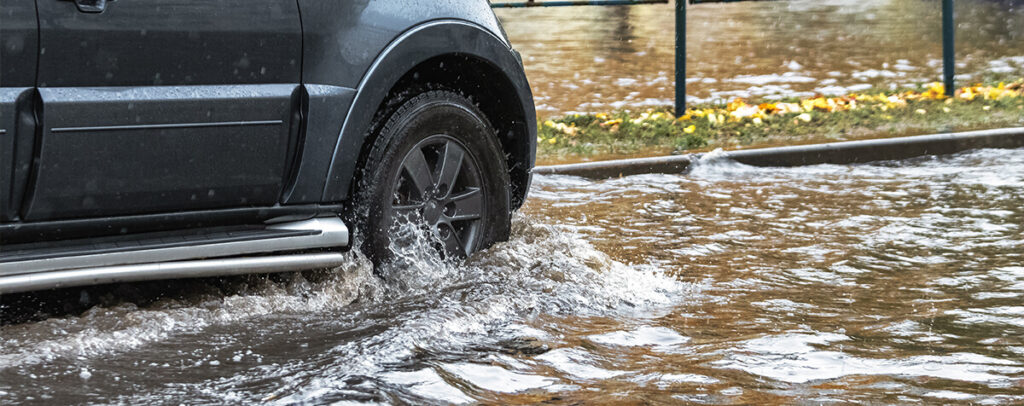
{"x":889,"y":282}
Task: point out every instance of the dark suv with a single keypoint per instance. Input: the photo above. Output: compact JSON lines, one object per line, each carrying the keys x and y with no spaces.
{"x":150,"y":139}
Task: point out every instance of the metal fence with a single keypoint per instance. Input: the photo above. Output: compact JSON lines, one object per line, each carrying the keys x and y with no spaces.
{"x":560,"y":3}
{"x":948,"y":46}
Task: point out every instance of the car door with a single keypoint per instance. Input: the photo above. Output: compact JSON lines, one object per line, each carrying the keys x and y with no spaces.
{"x":18,"y":46}
{"x":152,"y":106}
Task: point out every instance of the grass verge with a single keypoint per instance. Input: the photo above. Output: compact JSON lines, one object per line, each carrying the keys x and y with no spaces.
{"x":922,"y":110}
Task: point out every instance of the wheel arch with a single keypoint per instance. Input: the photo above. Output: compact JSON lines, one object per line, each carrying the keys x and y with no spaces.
{"x":448,"y":54}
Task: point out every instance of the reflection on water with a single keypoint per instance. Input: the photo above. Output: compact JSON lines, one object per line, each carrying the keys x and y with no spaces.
{"x":889,"y":282}
{"x":600,"y":58}
{"x":881,"y":283}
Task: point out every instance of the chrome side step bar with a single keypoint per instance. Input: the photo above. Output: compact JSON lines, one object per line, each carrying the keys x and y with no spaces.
{"x":200,"y":260}
{"x":168,"y":270}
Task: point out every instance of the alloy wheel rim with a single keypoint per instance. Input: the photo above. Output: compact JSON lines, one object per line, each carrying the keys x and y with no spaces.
{"x":439,"y":185}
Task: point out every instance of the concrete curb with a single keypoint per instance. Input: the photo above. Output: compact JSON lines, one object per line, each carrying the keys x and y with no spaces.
{"x":833,"y":153}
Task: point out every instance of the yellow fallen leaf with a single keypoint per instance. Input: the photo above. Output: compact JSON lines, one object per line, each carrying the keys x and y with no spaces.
{"x":804,"y":117}
{"x":936,"y":91}
{"x":895,"y":101}
{"x":786,"y":108}
{"x":807,"y":105}
{"x":968,"y":94}
{"x":566,"y":129}
{"x":735,"y":104}
{"x":822,"y":104}
{"x":690,"y":129}
{"x":608,"y":123}
{"x":745,"y":111}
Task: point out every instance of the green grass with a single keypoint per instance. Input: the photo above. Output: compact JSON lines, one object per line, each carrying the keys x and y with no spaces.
{"x":592,"y":136}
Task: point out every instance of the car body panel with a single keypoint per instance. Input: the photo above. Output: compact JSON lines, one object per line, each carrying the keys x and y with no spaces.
{"x":180,"y":148}
{"x":17,"y":127}
{"x":169,"y":43}
{"x":164,"y":105}
{"x":19,"y":43}
{"x":325,"y":108}
{"x":343,"y":39}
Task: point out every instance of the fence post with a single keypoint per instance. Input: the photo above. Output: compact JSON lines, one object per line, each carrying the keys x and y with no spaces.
{"x":681,"y":57}
{"x":948,"y":48}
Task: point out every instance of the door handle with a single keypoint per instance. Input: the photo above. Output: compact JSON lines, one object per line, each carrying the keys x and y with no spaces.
{"x":91,"y":6}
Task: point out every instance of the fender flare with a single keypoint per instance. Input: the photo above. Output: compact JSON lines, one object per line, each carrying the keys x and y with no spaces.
{"x":408,"y":50}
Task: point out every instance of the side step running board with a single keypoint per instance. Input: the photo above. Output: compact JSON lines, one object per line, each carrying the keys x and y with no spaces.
{"x":168,"y":270}
{"x":184,"y":261}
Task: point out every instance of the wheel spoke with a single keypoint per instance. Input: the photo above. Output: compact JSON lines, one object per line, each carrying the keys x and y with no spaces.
{"x":453,"y":244}
{"x":451,"y":166}
{"x":468,"y":205}
{"x":419,"y":172}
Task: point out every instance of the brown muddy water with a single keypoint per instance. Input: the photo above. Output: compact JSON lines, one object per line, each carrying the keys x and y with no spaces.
{"x":594,"y":59}
{"x":893,"y":282}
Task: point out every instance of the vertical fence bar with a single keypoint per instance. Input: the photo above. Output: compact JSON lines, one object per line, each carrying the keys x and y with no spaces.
{"x":681,"y":56}
{"x":948,"y":47}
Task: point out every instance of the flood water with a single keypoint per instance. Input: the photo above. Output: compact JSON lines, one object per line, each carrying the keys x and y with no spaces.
{"x":893,"y":282}
{"x":593,"y":59}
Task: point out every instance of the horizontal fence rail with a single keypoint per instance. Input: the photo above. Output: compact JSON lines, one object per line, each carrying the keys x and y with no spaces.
{"x":563,"y":3}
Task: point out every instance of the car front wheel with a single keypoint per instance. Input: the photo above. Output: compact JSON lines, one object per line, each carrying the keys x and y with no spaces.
{"x":437,"y":164}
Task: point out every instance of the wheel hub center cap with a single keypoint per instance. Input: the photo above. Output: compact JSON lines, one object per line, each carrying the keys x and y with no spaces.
{"x":432,"y":211}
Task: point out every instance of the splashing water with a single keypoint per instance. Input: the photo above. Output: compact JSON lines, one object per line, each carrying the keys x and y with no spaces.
{"x":427,"y":307}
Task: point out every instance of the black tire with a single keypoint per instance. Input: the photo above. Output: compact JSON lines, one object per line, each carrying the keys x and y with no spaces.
{"x":426,"y":132}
